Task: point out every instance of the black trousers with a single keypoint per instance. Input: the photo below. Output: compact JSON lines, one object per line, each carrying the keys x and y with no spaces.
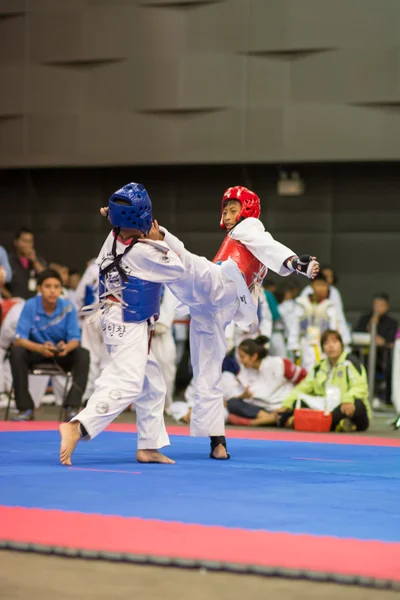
{"x":360,"y":417}
{"x":237,"y":406}
{"x":22,"y":360}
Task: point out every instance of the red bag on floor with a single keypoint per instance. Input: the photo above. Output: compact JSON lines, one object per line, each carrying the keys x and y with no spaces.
{"x":307,"y":419}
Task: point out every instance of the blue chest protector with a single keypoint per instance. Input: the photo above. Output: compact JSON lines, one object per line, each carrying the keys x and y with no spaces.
{"x":90,"y":294}
{"x":141,"y":299}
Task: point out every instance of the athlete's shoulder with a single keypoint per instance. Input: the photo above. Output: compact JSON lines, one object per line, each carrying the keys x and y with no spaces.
{"x":248,"y":225}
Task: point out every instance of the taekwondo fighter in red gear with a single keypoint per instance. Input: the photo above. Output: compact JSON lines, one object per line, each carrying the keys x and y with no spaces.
{"x":132,"y":268}
{"x":216,"y":296}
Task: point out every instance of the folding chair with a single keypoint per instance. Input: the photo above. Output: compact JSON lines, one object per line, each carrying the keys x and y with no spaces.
{"x":49,"y":370}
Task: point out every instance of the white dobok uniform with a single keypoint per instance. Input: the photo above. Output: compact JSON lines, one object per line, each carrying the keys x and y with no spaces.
{"x":336,"y":299}
{"x":396,"y":376}
{"x":312,"y":319}
{"x":163,"y":343}
{"x":270,"y":384}
{"x":132,"y":374}
{"x":235,"y":335}
{"x":92,"y":333}
{"x":217,"y":294}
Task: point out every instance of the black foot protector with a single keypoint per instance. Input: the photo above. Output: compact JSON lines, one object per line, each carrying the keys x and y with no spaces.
{"x":216,"y":440}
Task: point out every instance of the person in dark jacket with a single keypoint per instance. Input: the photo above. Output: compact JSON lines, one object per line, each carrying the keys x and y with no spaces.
{"x":386,"y":331}
{"x":25,"y":265}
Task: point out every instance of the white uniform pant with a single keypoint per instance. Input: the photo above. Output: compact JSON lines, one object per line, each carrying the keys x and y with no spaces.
{"x":164,"y":349}
{"x":131,"y":376}
{"x":396,"y":376}
{"x":212,"y":298}
{"x":92,"y":340}
{"x":208,"y":346}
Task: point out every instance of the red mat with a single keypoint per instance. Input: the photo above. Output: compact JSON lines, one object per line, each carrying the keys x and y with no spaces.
{"x":245,"y":434}
{"x":328,"y":555}
{"x":179,"y":544}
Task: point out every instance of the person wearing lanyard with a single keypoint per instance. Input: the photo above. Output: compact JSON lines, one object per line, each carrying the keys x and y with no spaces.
{"x":48,"y":331}
{"x":25,"y":266}
{"x":338,"y":383}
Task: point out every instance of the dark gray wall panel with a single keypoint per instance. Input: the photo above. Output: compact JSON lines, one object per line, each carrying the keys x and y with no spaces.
{"x":308,"y":80}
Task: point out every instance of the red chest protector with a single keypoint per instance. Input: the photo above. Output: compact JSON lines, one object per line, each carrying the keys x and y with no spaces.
{"x":6,"y":306}
{"x":251,"y":268}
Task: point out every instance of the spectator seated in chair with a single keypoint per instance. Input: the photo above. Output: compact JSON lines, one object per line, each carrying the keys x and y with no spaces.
{"x":337,"y":383}
{"x":48,"y":332}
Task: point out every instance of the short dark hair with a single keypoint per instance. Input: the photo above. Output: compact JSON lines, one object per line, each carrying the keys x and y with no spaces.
{"x":22,"y":231}
{"x":230,"y":201}
{"x":382,"y":296}
{"x":48,"y":274}
{"x":331,"y":332}
{"x":319,"y":277}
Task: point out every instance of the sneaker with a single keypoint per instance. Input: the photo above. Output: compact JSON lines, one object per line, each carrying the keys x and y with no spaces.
{"x":346,"y":426}
{"x":396,"y":423}
{"x":27,"y":415}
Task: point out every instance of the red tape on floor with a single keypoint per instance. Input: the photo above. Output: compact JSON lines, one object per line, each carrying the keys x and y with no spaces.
{"x":158,"y":538}
{"x":275,"y":436}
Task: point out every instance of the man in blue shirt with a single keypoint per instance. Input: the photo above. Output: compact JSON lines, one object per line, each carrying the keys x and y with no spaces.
{"x":48,"y":331}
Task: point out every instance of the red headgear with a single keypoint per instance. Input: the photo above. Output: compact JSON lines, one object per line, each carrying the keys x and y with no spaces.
{"x":250,"y":202}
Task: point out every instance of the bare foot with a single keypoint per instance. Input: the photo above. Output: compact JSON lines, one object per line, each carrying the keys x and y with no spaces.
{"x":153,"y":456}
{"x":220,"y":452}
{"x":70,"y":436}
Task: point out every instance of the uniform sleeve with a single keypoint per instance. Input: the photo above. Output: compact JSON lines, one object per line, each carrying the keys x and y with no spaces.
{"x":154,"y":264}
{"x":272,"y":254}
{"x":25,"y":321}
{"x":333,"y":316}
{"x":294,"y":329}
{"x":358,"y":385}
{"x":292,"y":372}
{"x":73,"y":331}
{"x":168,"y":308}
{"x":306,"y":291}
{"x":305,"y":387}
{"x":265,"y":317}
{"x":289,"y":318}
{"x":4,"y":262}
{"x":342,"y":324}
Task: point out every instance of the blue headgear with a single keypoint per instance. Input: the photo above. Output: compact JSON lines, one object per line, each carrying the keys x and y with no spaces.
{"x":137,"y":214}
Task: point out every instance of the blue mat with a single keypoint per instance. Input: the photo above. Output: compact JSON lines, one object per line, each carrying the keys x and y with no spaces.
{"x":319,"y":489}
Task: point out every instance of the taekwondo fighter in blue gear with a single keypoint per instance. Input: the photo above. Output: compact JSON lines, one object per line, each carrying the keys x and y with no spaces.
{"x":133,"y":265}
